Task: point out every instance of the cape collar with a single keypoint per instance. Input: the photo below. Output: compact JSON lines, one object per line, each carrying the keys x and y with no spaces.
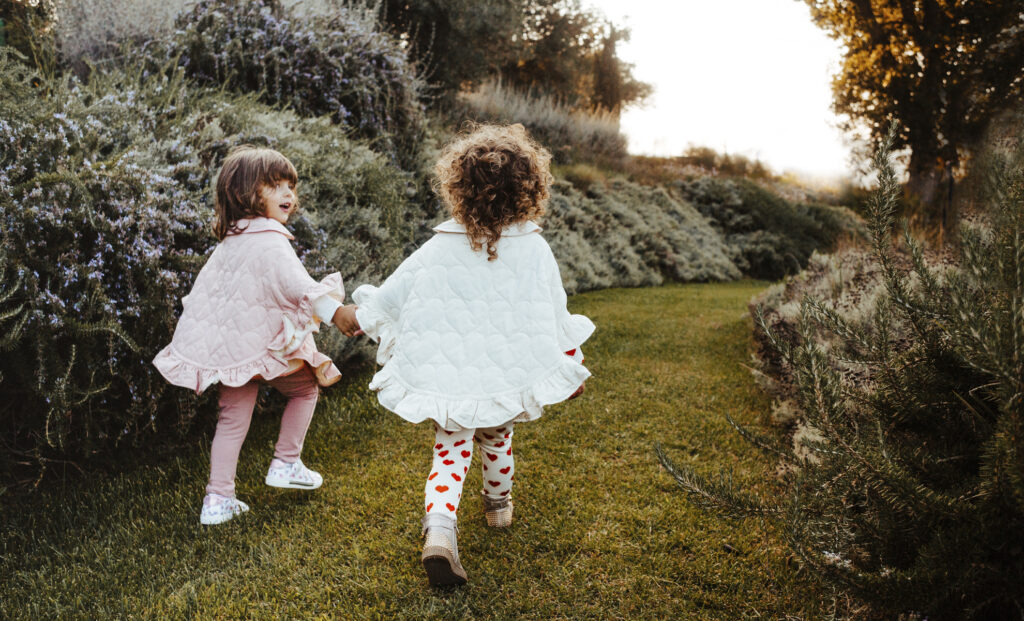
{"x":513,"y":230}
{"x":262,"y":225}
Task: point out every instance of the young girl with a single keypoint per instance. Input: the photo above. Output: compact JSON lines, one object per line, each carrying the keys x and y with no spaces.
{"x":474,"y":331}
{"x":250,"y":318}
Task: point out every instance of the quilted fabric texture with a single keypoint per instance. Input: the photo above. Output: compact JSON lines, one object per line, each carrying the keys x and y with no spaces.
{"x":469,"y":342}
{"x":234,"y":317}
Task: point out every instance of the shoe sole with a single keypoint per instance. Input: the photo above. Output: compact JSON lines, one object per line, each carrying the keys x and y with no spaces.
{"x":220,"y":519}
{"x":441,"y":569}
{"x":291,"y":485}
{"x":502,"y":518}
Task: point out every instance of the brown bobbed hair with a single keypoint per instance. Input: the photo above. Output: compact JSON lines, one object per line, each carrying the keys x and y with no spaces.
{"x":491,"y":176}
{"x":246,"y":170}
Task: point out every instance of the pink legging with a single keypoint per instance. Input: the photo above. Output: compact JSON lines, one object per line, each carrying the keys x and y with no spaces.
{"x":236,"y":406}
{"x":453,"y":450}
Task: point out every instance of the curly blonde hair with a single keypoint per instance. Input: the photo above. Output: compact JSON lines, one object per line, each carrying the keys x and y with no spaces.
{"x":492,"y":176}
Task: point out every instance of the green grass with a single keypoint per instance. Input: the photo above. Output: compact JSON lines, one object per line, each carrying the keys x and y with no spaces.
{"x":600,"y":531}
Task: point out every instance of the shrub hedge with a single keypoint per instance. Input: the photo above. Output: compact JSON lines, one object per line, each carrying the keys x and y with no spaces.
{"x":767,"y":236}
{"x":628,"y":235}
{"x":105,"y":212}
{"x":339,"y":65}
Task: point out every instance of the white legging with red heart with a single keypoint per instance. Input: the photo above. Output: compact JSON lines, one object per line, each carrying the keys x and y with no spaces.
{"x":453,"y":451}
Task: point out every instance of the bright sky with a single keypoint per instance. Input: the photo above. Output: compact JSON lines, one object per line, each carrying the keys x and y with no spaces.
{"x":743,"y":76}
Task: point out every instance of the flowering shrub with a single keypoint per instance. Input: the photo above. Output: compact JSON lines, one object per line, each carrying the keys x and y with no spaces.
{"x":338,"y":65}
{"x":97,"y":251}
{"x":104,"y":218}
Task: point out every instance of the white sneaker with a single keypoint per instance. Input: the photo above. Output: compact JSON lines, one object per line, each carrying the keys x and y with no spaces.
{"x":218,"y":509}
{"x":292,"y":476}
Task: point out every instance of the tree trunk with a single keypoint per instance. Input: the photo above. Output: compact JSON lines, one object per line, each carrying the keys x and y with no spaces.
{"x":924,"y":177}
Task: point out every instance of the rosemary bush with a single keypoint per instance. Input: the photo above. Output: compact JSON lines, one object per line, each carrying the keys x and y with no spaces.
{"x":339,"y":64}
{"x":908,"y":497}
{"x":628,"y":235}
{"x":768,"y":236}
{"x":105,"y":210}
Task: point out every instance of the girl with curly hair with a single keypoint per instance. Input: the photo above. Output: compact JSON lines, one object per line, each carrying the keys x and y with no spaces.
{"x":473,"y":330}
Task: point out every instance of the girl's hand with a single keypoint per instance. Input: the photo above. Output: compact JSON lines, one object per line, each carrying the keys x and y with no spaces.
{"x":345,"y":320}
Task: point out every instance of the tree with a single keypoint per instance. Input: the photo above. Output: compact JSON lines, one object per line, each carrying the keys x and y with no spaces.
{"x":614,"y":84}
{"x":941,"y":68}
{"x":549,"y":47}
{"x":569,"y":53}
{"x":458,"y":43}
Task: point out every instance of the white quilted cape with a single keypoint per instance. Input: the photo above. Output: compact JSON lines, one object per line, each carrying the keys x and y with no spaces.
{"x":469,"y":342}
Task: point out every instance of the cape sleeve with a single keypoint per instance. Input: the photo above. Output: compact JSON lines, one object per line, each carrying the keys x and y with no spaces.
{"x":380,"y":308}
{"x":292,"y":288}
{"x":573,"y":330}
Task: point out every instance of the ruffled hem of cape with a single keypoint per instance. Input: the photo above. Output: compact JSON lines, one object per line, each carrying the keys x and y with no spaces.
{"x":181,"y":372}
{"x":454,"y":414}
{"x":574,"y":331}
{"x":374,"y":322}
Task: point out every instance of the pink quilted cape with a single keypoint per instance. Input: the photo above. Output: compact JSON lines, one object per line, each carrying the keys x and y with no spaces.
{"x":233,"y":318}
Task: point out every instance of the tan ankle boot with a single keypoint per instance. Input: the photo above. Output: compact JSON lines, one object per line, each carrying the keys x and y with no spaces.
{"x":441,"y":551}
{"x":498,"y":512}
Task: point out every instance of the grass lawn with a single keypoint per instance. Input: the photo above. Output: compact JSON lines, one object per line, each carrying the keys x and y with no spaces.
{"x":600,"y":531}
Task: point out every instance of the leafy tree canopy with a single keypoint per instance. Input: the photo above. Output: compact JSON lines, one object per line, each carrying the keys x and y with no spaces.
{"x":942,"y":68}
{"x":551,"y":47}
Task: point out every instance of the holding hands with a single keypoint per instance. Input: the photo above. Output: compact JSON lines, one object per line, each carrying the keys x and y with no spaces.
{"x":345,"y":320}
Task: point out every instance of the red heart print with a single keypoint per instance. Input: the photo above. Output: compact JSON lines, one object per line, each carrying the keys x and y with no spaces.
{"x":485,"y":467}
{"x":466,"y":454}
{"x":493,"y":483}
{"x":465,"y":470}
{"x":505,"y":493}
{"x":571,"y":352}
{"x":488,"y":437}
{"x":509,"y":452}
{"x":429,"y":507}
{"x":500,"y":430}
{"x":508,"y":434}
{"x":513,"y":477}
{"x":448,"y":462}
{"x":441,"y":489}
{"x":499,"y":444}
{"x":432,"y":475}
{"x":459,"y":443}
{"x":456,"y":477}
{"x":505,"y":469}
{"x":450,"y":506}
{"x":447,"y":432}
{"x":438,"y":446}
{"x":442,"y":453}
{"x":491,"y":456}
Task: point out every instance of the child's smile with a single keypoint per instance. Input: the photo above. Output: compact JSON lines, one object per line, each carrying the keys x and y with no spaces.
{"x":279,"y":200}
